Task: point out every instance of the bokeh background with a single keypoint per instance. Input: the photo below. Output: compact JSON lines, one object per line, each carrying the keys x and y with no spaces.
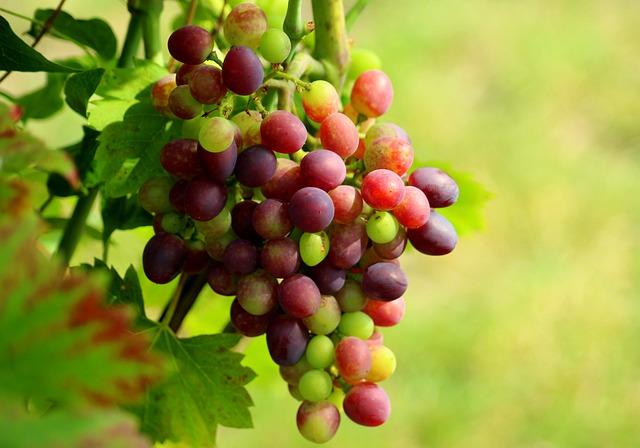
{"x":528,"y":335}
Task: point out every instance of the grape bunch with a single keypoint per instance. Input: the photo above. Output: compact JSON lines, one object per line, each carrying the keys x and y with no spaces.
{"x":302,"y":217}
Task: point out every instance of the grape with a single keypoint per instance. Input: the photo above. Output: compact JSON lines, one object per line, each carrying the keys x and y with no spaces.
{"x":190,"y":44}
{"x":285,"y":181}
{"x":359,"y":154}
{"x":382,"y":189}
{"x":371,"y":257}
{"x":389,"y":153}
{"x":215,"y":246}
{"x":315,"y":385}
{"x":286,"y":340}
{"x":255,"y":166}
{"x":353,"y":359}
{"x":318,"y":422}
{"x":275,"y":46}
{"x":320,"y":352}
{"x":441,"y":190}
{"x":191,"y":128}
{"x":247,"y":324}
{"x":394,"y":248}
{"x":384,"y":281}
{"x":177,"y":196}
{"x":380,"y":130}
{"x":356,"y":324}
{"x":240,"y":257}
{"x":242,"y":71}
{"x":154,"y":195}
{"x":326,"y":318}
{"x":383,"y":363}
{"x":215,"y":227}
{"x":171,"y":223}
{"x":280,"y":257}
{"x":292,"y":373}
{"x":294,"y":392}
{"x":311,"y":209}
{"x":221,"y":280}
{"x":367,"y":404}
{"x":336,"y":397}
{"x":348,"y":243}
{"x":323,"y":169}
{"x":204,"y":198}
{"x":182,"y":104}
{"x":180,"y":158}
{"x":382,"y":227}
{"x":372,"y":93}
{"x":196,"y":259}
{"x":257,"y":293}
{"x":160,"y":94}
{"x":413,"y":211}
{"x":386,"y":314}
{"x":184,"y":73}
{"x":206,"y":86}
{"x":329,"y":278}
{"x":375,"y":339}
{"x":350,"y":297}
{"x":436,"y":237}
{"x":299,"y":296}
{"x":271,"y":219}
{"x":245,"y":25}
{"x":216,"y":134}
{"x":339,"y":134}
{"x":320,"y":101}
{"x":281,"y":131}
{"x":248,"y":122}
{"x":163,"y":257}
{"x":347,"y":202}
{"x":157,"y":224}
{"x":241,"y":216}
{"x":218,"y":166}
{"x":362,"y":60}
{"x":314,"y":247}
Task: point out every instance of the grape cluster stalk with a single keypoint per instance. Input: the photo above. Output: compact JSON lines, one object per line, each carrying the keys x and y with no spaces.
{"x":301,"y":216}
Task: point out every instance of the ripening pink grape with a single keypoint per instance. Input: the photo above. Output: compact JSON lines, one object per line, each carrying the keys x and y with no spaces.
{"x":248,"y":123}
{"x":318,"y":422}
{"x":390,"y":153}
{"x":160,"y":94}
{"x":385,"y":314}
{"x":380,"y":130}
{"x":382,"y":189}
{"x":350,"y":112}
{"x":339,"y":134}
{"x":245,"y":25}
{"x":183,"y":74}
{"x":283,"y":132}
{"x":285,"y":181}
{"x":353,"y":358}
{"x":206,"y":86}
{"x":372,"y":93}
{"x":372,"y":257}
{"x":413,"y":211}
{"x":182,"y":104}
{"x":367,"y":404}
{"x":190,"y":44}
{"x":320,"y":101}
{"x":360,"y":150}
{"x":323,"y":169}
{"x":347,"y":202}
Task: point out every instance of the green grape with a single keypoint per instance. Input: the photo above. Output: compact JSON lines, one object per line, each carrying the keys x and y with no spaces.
{"x":191,"y":128}
{"x":356,"y":324}
{"x":154,"y":195}
{"x":173,"y":222}
{"x":275,"y":46}
{"x":315,"y":385}
{"x":326,"y":318}
{"x":336,"y":397}
{"x":314,"y":247}
{"x":361,"y":61}
{"x":383,"y":363}
{"x":320,"y":352}
{"x":350,"y":297}
{"x":295,"y":393}
{"x":382,"y":227}
{"x":217,"y":226}
{"x":216,"y":134}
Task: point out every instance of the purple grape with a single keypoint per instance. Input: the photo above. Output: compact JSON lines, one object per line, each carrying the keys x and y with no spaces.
{"x":197,"y":259}
{"x":218,"y":166}
{"x":441,"y":190}
{"x":348,"y":244}
{"x":242,"y":71}
{"x":180,"y":158}
{"x":280,"y":257}
{"x":206,"y":86}
{"x":257,"y":293}
{"x":221,"y":280}
{"x":436,"y":237}
{"x":241,"y":220}
{"x":384,"y":281}
{"x":323,"y":169}
{"x":271,"y":219}
{"x":240,"y":257}
{"x":204,"y":198}
{"x":184,"y":73}
{"x":163,"y":257}
{"x":394,"y":248}
{"x":256,"y":166}
{"x":311,"y":209}
{"x":329,"y":278}
{"x":299,"y":296}
{"x":286,"y":340}
{"x":177,"y":196}
{"x":190,"y":44}
{"x":247,"y":324}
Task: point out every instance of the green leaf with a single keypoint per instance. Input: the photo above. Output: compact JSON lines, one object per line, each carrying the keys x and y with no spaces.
{"x":206,"y":390}
{"x":123,"y":213}
{"x":16,"y":55}
{"x":131,"y":83}
{"x":45,"y":101}
{"x":94,"y":33}
{"x":79,"y":88}
{"x":55,"y":223}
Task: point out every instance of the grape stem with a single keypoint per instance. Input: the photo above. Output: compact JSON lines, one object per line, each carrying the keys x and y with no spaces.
{"x":297,"y":81}
{"x":354,"y":12}
{"x":213,"y":56}
{"x":218,"y":26}
{"x":332,"y":46}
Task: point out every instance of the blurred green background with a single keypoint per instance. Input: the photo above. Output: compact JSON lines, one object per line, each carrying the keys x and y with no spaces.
{"x":528,"y":335}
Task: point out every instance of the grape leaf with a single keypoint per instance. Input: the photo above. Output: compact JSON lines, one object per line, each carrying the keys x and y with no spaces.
{"x":45,"y":101}
{"x":94,"y":33}
{"x":206,"y":390}
{"x":79,"y":88}
{"x":123,"y":213}
{"x":16,"y":55}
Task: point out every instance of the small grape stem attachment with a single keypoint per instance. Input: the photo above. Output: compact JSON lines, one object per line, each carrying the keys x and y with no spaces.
{"x":332,"y":45}
{"x":303,"y":85}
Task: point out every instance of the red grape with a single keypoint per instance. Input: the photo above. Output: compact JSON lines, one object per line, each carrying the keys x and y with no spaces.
{"x":281,"y":131}
{"x":329,"y":278}
{"x":382,"y":189}
{"x":183,"y":105}
{"x":438,"y":186}
{"x":204,"y":198}
{"x":247,"y":324}
{"x":285,"y":181}
{"x":436,"y":237}
{"x":385,"y":314}
{"x":180,"y":158}
{"x":372,"y":93}
{"x":299,"y":296}
{"x":177,"y":196}
{"x":347,"y":202}
{"x":271,"y":219}
{"x":394,"y":248}
{"x":389,"y":153}
{"x":318,"y":422}
{"x":384,"y":281}
{"x":196,"y":259}
{"x":241,"y":220}
{"x":413,"y":211}
{"x":320,"y":101}
{"x":323,"y":169}
{"x":348,"y":243}
{"x":286,"y":340}
{"x":190,"y":44}
{"x":206,"y":86}
{"x":221,"y":280}
{"x":339,"y":134}
{"x":280,"y":257}
{"x":242,"y":71}
{"x":218,"y":166}
{"x":255,"y":166}
{"x":353,"y":359}
{"x":311,"y":209}
{"x":163,"y":257}
{"x":257,"y":293}
{"x":240,"y":257}
{"x":183,"y":75}
{"x":367,"y":404}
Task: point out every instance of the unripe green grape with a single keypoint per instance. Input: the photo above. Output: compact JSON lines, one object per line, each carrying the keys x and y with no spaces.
{"x":191,"y":128}
{"x":173,"y":222}
{"x":361,"y":61}
{"x":336,"y":397}
{"x":295,"y":393}
{"x":382,"y":227}
{"x":315,"y":385}
{"x":326,"y":318}
{"x":275,"y":46}
{"x":320,"y":352}
{"x":314,"y":247}
{"x":217,"y":226}
{"x":182,"y":104}
{"x":154,"y":195}
{"x":216,"y":134}
{"x":356,"y":324}
{"x":350,"y":297}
